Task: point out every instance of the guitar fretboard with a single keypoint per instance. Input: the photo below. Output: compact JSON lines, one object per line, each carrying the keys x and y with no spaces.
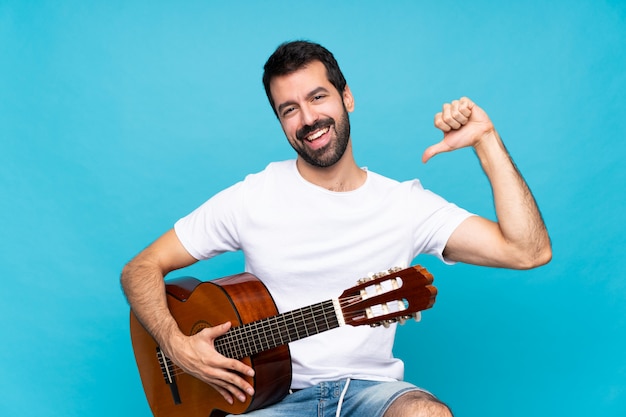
{"x":265,"y":334}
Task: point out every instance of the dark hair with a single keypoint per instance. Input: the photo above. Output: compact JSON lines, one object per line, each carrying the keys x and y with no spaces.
{"x":292,"y":56}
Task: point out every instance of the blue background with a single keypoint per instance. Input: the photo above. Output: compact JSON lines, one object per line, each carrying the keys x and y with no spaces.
{"x":119,"y":117}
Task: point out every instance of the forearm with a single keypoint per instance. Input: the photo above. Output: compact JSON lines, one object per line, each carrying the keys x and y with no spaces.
{"x":144,"y":287}
{"x":519,"y":219}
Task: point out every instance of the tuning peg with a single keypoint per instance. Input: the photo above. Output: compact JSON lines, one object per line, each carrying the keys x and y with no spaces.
{"x":389,"y":322}
{"x":376,"y":275}
{"x":364,"y":280}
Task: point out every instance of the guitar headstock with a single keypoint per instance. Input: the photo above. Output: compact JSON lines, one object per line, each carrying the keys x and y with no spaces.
{"x":390,"y":296}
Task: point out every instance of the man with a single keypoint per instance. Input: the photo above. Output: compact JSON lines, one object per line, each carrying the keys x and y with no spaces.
{"x":311,"y":226}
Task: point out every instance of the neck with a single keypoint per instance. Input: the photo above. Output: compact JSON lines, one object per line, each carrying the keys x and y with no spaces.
{"x":343,"y":176}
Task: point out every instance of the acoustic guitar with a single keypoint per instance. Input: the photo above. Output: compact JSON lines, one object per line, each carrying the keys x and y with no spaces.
{"x":259,"y":334}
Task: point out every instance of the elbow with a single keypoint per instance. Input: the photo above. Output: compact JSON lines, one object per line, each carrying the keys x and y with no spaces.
{"x":130,"y":275}
{"x":534,"y":258}
{"x":546,"y":255}
{"x":125,"y":277}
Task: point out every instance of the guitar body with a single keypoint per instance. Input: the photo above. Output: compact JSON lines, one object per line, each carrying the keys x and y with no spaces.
{"x":196,"y":305}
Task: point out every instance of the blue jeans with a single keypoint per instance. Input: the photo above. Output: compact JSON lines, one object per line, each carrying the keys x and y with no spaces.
{"x":361,"y":398}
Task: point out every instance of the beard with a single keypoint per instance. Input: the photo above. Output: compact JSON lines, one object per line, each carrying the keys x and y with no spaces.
{"x":331,"y":153}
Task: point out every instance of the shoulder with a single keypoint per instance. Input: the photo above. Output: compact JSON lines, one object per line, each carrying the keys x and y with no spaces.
{"x":377,"y":180}
{"x":380,"y":182}
{"x":273,"y":171}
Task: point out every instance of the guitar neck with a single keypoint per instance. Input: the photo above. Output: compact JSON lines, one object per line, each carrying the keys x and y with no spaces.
{"x":249,"y":339}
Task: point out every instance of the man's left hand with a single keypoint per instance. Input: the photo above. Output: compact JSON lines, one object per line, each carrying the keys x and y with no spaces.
{"x":463,"y":124}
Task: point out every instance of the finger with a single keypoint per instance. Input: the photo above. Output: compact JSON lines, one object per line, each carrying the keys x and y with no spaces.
{"x":209,"y":334}
{"x":212,"y":333}
{"x":230,"y":384}
{"x":466,"y":101}
{"x":454,"y":114}
{"x":227,"y":383}
{"x":451,"y":115}
{"x":465,"y":106}
{"x":238,"y":366}
{"x":441,"y":124}
{"x":461,"y":111}
{"x":224,"y":393}
{"x":227,"y":391}
{"x":434,"y":150}
{"x":233,"y":384}
{"x":448,"y":116}
{"x":217,"y":331}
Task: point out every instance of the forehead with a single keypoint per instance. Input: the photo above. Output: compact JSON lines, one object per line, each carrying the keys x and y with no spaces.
{"x":299,"y":83}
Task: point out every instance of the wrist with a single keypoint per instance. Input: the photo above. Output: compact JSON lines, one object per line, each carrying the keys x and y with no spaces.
{"x":169,"y":336}
{"x":491,"y":150}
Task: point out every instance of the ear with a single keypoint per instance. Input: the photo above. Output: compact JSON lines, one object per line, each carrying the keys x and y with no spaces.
{"x":348,"y":99}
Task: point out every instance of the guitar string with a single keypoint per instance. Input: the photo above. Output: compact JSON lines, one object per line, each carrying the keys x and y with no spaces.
{"x":289,"y":326}
{"x":241,"y":334}
{"x":252,"y":329}
{"x":246,"y":340}
{"x":295,"y":321}
{"x":238,"y":342}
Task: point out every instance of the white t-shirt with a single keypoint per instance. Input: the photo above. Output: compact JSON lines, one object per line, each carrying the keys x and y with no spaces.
{"x":308,"y":245}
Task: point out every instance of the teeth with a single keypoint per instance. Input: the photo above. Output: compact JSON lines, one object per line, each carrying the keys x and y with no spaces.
{"x":317,"y":134}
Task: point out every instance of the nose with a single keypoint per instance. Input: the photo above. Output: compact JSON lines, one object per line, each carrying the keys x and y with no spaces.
{"x":308,"y":115}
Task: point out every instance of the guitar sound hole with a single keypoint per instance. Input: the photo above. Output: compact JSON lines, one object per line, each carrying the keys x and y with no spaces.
{"x":199,"y":326}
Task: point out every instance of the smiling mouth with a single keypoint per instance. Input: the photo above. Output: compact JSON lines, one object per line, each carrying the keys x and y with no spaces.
{"x":317,"y":134}
{"x":315,"y":131}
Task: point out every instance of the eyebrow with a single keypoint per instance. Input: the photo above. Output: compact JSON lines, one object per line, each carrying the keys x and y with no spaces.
{"x":308,"y":96}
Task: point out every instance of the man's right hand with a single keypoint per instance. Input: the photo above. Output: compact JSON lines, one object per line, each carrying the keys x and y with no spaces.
{"x":197,"y":356}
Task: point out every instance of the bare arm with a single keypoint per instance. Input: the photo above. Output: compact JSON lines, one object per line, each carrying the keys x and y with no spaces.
{"x":143,"y":283}
{"x":519,"y":239}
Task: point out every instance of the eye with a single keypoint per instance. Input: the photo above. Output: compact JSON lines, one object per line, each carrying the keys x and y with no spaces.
{"x":287,"y":111}
{"x":318,"y":97}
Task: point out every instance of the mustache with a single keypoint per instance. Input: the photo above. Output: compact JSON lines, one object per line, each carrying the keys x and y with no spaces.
{"x":306,"y":130}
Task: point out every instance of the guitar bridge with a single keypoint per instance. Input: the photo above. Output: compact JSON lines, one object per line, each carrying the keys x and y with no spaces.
{"x":167,"y":368}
